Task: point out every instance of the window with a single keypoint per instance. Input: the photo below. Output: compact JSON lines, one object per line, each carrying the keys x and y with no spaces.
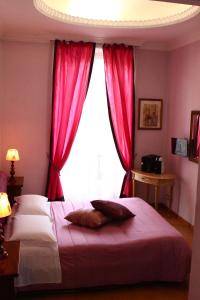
{"x":93,"y":169}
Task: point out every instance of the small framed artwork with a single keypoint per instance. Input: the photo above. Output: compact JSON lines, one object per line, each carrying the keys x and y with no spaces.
{"x":150,"y":114}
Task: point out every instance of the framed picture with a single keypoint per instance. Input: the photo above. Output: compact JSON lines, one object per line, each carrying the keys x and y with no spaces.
{"x":150,"y":114}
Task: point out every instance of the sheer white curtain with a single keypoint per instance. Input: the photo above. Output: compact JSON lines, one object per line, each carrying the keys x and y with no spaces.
{"x":93,"y":169}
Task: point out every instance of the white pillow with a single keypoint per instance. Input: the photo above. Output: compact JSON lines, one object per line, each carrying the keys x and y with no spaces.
{"x":30,"y":197}
{"x":33,"y":205}
{"x":32,"y":228}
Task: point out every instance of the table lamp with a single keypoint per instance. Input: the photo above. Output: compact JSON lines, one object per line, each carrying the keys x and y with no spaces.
{"x":12,"y":155}
{"x":5,"y":211}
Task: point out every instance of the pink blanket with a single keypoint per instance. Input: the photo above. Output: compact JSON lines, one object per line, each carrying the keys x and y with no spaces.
{"x":143,"y":248}
{"x":140,"y":249}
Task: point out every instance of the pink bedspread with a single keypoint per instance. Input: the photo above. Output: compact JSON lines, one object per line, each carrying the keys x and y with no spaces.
{"x":143,"y":248}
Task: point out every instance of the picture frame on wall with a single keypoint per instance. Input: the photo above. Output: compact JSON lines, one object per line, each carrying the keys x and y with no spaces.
{"x":150,"y":114}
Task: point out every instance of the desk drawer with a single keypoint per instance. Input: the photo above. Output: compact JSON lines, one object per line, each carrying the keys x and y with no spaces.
{"x":143,"y":178}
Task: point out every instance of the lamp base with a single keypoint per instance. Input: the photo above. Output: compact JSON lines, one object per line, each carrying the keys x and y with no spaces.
{"x":11,"y":179}
{"x":12,"y":169}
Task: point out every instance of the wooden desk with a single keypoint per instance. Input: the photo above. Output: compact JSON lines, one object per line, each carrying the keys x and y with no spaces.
{"x":157,"y":180}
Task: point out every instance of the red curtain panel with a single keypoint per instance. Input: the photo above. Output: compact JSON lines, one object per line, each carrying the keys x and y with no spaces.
{"x":119,"y":73}
{"x":72,"y":69}
{"x":197,"y":152}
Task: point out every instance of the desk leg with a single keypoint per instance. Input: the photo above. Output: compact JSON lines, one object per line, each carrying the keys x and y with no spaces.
{"x":157,"y":194}
{"x":171,"y":196}
{"x":133,"y":187}
{"x":147,"y":194}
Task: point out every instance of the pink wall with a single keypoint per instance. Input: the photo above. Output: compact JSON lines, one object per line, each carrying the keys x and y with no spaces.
{"x":26,"y":106}
{"x":184,"y":91}
{"x":151,"y":81}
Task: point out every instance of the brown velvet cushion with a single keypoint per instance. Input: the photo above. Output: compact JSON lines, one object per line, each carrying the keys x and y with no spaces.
{"x":113,"y":210}
{"x":87,"y":217}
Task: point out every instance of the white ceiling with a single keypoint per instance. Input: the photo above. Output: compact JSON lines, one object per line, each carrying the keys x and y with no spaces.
{"x":19,"y":20}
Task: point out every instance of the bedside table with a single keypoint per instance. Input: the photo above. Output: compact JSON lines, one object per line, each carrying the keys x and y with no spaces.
{"x":9,"y":270}
{"x":14,"y":188}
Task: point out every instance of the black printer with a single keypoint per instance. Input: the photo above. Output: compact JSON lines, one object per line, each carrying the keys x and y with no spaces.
{"x":151,"y":163}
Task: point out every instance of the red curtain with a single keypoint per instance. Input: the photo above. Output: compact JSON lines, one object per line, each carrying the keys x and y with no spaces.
{"x":119,"y":72}
{"x":198,"y":139}
{"x":72,"y":69}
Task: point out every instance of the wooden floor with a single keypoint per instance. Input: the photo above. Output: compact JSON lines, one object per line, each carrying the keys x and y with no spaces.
{"x":155,"y":291}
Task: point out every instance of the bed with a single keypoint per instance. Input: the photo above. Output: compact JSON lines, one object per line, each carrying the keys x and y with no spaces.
{"x":141,"y":249}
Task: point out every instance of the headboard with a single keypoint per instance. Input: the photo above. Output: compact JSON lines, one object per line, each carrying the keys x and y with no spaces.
{"x":3,"y":181}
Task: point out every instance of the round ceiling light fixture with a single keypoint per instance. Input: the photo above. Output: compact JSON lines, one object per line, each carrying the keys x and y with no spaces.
{"x":116,"y":13}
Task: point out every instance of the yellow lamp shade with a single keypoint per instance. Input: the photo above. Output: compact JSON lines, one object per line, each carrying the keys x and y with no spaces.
{"x":5,"y":209}
{"x":12,"y":155}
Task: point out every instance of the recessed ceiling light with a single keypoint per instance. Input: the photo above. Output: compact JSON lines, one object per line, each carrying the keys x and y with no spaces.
{"x":116,"y":13}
